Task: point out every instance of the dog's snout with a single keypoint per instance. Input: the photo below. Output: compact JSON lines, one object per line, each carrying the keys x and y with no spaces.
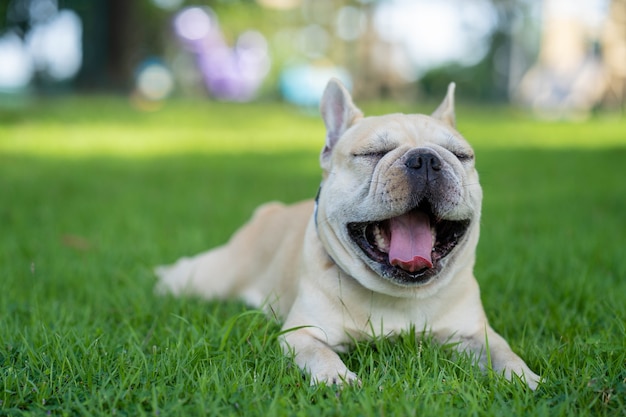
{"x":423,"y":161}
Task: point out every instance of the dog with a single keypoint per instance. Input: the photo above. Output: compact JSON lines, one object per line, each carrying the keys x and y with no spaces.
{"x":388,"y":243}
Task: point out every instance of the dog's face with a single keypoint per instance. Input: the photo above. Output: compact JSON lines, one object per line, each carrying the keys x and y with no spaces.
{"x":399,"y":205}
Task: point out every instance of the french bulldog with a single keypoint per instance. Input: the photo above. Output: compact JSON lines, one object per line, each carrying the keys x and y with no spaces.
{"x":389,"y":243}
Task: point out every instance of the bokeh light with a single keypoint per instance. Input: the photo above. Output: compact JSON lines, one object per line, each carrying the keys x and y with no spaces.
{"x":437,"y":33}
{"x":313,"y":41}
{"x":193,"y":24}
{"x":55,"y":45}
{"x":16,"y":69}
{"x":304,"y":84}
{"x":43,"y":42}
{"x":154,"y":80}
{"x":228,"y":72}
{"x":350,"y":23}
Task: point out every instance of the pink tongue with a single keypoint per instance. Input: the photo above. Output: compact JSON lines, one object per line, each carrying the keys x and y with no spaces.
{"x":411,"y":242}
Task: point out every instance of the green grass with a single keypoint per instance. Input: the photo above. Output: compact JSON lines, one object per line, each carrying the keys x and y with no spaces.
{"x":93,"y":194}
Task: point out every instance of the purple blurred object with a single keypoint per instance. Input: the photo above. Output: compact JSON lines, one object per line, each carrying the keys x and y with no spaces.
{"x":228,"y":73}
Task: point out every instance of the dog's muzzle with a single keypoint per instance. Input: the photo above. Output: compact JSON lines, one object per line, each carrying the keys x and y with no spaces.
{"x":410,"y":248}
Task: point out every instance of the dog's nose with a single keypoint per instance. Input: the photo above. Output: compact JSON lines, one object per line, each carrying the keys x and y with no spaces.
{"x":423,"y":161}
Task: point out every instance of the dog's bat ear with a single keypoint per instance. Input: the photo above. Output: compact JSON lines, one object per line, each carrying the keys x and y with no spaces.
{"x":445,"y":111}
{"x":339,"y":113}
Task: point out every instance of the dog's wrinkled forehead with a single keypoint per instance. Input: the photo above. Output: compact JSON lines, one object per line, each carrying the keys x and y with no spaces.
{"x":378,"y":134}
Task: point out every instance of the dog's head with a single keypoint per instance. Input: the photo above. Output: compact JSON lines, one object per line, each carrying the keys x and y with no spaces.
{"x":400,"y":200}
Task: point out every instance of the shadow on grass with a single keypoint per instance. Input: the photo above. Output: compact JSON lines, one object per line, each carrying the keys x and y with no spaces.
{"x":545,"y":199}
{"x":539,"y":202}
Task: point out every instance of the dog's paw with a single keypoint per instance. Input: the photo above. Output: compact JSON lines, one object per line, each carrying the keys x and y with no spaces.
{"x":335,"y":377}
{"x":525,"y":374}
{"x":532,"y":379}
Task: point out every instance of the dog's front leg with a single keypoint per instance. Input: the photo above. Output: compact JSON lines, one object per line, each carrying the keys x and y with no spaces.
{"x":315,"y":356}
{"x":493,"y":351}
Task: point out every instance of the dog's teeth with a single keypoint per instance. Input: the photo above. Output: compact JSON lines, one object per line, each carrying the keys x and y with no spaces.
{"x":381,"y":242}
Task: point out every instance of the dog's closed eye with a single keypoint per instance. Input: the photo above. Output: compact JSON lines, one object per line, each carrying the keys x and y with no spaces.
{"x":371,"y":153}
{"x":462,"y":155}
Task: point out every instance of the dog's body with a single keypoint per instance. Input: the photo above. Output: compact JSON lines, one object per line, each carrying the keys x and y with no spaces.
{"x":389,"y":243}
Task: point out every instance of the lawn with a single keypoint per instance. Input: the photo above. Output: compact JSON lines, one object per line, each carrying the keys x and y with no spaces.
{"x":94,"y":193}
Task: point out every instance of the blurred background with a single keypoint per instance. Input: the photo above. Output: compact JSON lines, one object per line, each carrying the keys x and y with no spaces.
{"x":560,"y":58}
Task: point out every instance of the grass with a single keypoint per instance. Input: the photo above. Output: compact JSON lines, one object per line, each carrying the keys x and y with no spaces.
{"x":93,"y":194}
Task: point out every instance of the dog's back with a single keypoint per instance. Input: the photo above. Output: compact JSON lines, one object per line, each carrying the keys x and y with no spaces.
{"x":246,"y":267}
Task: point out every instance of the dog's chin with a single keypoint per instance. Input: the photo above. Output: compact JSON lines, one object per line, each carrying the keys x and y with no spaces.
{"x":372,"y":239}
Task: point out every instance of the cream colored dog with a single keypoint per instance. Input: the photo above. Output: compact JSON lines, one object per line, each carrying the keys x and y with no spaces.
{"x":389,"y":243}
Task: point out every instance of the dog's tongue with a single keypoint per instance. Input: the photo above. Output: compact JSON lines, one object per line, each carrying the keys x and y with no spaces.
{"x":411,"y":241}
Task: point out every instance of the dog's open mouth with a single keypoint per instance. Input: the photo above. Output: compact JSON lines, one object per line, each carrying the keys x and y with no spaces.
{"x":409,"y":248}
